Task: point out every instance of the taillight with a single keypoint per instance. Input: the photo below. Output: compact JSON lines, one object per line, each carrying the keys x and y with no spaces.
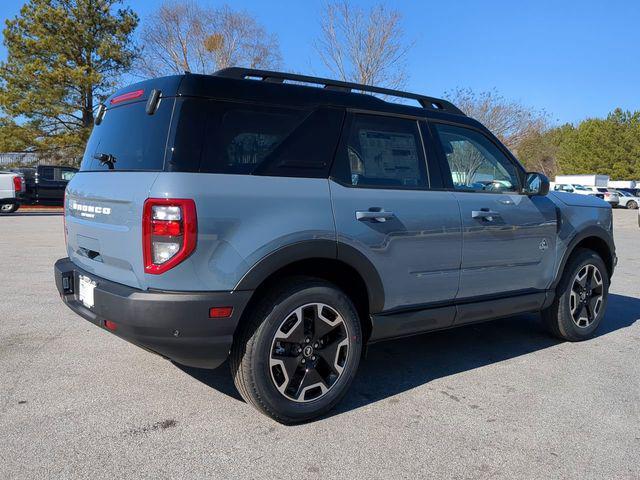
{"x":169,"y":232}
{"x":110,"y":325}
{"x":17,"y":183}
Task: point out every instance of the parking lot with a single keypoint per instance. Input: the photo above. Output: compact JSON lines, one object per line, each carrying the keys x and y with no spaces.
{"x":496,"y":400}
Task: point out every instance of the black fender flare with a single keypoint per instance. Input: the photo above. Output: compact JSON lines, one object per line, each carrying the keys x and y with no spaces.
{"x":313,"y":249}
{"x":588,"y":232}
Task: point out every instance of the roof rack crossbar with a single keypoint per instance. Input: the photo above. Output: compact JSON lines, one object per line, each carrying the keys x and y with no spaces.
{"x":430,"y":103}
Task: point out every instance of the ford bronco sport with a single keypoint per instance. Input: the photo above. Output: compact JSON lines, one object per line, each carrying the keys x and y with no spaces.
{"x":253,"y":216}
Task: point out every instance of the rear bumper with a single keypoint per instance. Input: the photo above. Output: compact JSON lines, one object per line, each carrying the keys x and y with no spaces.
{"x":175,"y":325}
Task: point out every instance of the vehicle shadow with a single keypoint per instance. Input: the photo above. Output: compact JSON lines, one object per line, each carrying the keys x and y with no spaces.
{"x":396,"y":366}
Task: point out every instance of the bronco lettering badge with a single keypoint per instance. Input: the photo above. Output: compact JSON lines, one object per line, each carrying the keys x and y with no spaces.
{"x":89,"y":211}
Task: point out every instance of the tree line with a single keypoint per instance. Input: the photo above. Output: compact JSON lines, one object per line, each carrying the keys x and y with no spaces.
{"x":64,"y":57}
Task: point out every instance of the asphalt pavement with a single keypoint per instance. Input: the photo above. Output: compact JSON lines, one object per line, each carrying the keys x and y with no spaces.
{"x":496,"y":400}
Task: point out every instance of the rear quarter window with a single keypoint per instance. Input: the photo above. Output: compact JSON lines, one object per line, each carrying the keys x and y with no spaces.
{"x":136,"y":140}
{"x":212,"y":136}
{"x":240,"y":137}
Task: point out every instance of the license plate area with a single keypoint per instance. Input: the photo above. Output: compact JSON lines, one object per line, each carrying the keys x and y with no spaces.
{"x":86,"y":287}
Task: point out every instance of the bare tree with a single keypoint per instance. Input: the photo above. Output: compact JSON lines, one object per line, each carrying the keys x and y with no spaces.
{"x":363,"y":47}
{"x":465,"y":160}
{"x":508,"y":120}
{"x":184,"y":36}
{"x":239,"y":40}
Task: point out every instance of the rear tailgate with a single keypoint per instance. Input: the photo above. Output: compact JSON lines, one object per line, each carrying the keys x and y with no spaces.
{"x":103,"y":213}
{"x":104,"y":201}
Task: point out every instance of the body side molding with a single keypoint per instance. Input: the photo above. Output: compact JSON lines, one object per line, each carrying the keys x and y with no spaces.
{"x":386,"y":326}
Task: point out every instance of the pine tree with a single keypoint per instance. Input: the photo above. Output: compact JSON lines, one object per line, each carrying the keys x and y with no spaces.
{"x":64,"y":57}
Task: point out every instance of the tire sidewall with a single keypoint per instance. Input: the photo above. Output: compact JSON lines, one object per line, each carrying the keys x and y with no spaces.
{"x":262,"y":341}
{"x":565,"y":319}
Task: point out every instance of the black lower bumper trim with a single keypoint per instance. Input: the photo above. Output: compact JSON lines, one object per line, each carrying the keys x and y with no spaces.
{"x":175,"y":325}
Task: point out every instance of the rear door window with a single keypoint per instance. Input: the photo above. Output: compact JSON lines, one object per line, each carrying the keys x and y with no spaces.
{"x":381,"y":151}
{"x":136,"y":140}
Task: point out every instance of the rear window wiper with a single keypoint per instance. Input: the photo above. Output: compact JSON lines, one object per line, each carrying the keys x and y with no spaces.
{"x":106,"y":159}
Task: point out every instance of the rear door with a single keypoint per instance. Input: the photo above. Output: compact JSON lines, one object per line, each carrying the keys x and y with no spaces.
{"x":385,"y":208}
{"x":104,"y":201}
{"x":508,"y":237}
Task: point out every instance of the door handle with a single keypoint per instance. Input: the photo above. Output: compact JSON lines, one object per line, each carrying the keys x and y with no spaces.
{"x":485,"y":214}
{"x":375,"y":215}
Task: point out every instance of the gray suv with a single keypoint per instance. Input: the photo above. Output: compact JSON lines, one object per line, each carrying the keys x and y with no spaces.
{"x":285,"y":222}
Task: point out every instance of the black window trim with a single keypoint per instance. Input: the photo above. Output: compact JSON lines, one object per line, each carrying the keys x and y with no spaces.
{"x":446,"y":169}
{"x":350,"y":114}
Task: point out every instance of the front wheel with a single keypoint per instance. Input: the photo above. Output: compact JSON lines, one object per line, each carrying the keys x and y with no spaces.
{"x":581,"y":298}
{"x":632,"y":205}
{"x":298,"y":353}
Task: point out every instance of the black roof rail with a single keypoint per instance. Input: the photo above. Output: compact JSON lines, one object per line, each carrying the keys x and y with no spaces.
{"x":430,"y":103}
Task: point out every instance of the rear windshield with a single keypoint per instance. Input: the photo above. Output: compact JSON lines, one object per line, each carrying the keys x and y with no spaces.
{"x":136,"y":140}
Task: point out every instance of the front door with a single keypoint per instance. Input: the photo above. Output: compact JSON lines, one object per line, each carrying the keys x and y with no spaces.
{"x":508,"y":237}
{"x":384,"y":207}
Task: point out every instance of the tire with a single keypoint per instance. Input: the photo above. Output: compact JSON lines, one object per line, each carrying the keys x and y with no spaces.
{"x":275,"y":331}
{"x":632,"y":205}
{"x":567,"y":317}
{"x":9,"y":207}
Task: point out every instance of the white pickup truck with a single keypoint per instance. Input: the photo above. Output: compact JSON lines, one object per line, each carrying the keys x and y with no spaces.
{"x":12,"y":188}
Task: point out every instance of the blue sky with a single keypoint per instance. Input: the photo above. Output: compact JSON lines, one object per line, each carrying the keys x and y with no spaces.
{"x":574,"y":59}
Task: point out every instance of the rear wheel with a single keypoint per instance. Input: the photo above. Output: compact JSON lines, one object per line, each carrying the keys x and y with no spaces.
{"x":8,"y":207}
{"x":632,"y":204}
{"x":581,"y":297}
{"x":299,"y":351}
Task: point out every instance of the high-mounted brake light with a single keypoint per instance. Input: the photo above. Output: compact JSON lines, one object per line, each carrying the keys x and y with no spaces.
{"x":169,"y":232}
{"x":127,"y":96}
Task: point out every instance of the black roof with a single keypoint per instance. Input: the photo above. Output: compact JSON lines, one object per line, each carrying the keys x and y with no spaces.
{"x":292,"y":89}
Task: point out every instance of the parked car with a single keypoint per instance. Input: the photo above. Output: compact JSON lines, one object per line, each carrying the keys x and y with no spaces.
{"x":627,"y":200}
{"x":11,"y":191}
{"x":573,"y":188}
{"x":45,"y":184}
{"x":633,"y":191}
{"x":286,"y":227}
{"x":608,"y":196}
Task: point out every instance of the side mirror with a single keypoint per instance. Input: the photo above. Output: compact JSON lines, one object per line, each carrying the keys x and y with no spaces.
{"x":536,"y":184}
